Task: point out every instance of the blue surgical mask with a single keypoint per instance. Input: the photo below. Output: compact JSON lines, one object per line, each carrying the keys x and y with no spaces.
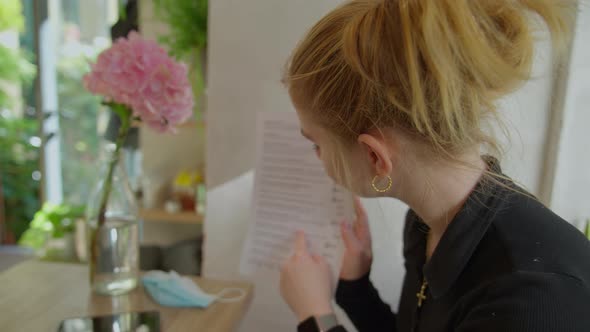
{"x":173,"y":290}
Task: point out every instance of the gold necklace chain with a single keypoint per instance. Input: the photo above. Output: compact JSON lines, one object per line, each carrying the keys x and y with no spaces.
{"x":422,"y":294}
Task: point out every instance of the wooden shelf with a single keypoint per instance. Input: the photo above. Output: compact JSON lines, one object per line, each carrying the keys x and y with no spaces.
{"x":159,"y":215}
{"x":192,"y":124}
{"x":188,"y":124}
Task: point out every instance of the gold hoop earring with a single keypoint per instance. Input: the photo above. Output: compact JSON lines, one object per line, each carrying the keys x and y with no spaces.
{"x":389,"y":183}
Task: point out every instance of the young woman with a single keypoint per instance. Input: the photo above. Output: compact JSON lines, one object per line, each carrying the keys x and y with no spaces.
{"x":394,"y":95}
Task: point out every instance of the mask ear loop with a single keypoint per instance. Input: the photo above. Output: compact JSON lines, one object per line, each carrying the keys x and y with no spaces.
{"x":223,"y":298}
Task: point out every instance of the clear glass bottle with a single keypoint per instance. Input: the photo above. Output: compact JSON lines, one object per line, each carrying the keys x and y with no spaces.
{"x":113,"y":247}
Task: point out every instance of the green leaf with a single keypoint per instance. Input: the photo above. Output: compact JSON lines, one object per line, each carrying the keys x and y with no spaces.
{"x":11,"y":15}
{"x":122,"y":111}
{"x":15,"y":67}
{"x":17,"y":161}
{"x":34,"y":238}
{"x":122,"y":11}
{"x":187,"y":21}
{"x":56,"y":220}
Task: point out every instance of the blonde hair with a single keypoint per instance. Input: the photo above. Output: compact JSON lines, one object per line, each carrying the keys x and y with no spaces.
{"x":432,"y":69}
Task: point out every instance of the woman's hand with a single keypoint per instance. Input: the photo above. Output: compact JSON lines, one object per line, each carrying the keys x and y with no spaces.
{"x":306,"y":282}
{"x":358,"y":254}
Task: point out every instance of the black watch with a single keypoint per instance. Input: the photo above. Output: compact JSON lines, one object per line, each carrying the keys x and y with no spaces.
{"x":318,"y":323}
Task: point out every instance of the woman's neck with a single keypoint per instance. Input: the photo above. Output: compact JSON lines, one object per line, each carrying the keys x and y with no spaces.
{"x":436,"y":191}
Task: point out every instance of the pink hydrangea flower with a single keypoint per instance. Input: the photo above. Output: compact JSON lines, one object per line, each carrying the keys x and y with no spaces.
{"x":139,"y":73}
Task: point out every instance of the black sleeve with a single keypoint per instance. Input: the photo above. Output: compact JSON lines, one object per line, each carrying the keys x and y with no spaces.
{"x":361,"y":302}
{"x":530,"y":302}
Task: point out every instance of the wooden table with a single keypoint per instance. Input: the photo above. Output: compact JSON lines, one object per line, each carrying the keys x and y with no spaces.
{"x":37,"y":296}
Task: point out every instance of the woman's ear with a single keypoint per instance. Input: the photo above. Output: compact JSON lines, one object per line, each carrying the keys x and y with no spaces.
{"x":378,"y":152}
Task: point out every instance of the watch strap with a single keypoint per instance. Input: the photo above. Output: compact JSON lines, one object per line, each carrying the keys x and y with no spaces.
{"x":326,"y":322}
{"x":318,"y":323}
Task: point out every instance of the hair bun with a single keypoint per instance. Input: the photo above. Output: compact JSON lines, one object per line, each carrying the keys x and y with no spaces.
{"x":433,"y":68}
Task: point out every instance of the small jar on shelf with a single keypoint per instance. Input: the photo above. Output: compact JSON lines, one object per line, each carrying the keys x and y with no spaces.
{"x":185,"y":189}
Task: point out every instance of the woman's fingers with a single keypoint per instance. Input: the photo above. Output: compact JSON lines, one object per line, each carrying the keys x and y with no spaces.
{"x":300,"y":243}
{"x":318,"y":259}
{"x":361,"y":224}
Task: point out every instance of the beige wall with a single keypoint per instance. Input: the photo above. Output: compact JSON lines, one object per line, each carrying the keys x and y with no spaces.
{"x":571,"y":194}
{"x":249,"y":44}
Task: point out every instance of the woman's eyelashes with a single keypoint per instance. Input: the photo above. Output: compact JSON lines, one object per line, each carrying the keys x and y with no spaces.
{"x":316,"y":148}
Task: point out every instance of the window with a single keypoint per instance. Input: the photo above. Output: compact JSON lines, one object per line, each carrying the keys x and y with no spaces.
{"x":53,"y":124}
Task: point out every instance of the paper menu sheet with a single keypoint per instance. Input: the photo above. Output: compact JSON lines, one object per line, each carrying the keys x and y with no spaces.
{"x":291,"y":192}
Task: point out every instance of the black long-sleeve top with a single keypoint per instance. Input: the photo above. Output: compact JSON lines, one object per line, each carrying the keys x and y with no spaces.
{"x":505,"y":263}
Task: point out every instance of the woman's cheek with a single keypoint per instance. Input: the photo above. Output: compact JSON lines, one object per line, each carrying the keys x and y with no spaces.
{"x":337,"y":176}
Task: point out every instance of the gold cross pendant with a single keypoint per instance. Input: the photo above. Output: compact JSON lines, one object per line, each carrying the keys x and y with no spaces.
{"x":422,"y":294}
